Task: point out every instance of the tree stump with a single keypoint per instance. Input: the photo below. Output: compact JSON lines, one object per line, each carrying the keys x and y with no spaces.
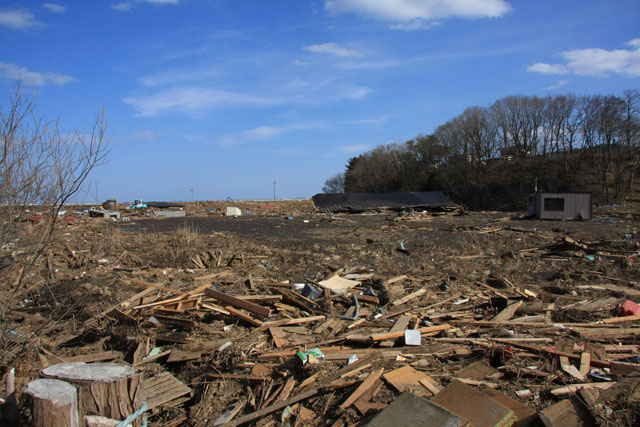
{"x":52,"y":403}
{"x":107,"y":389}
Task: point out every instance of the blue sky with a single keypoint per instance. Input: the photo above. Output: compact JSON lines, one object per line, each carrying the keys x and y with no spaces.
{"x":228,"y":96}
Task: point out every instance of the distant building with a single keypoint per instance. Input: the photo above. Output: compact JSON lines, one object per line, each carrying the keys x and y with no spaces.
{"x":360,"y":202}
{"x":564,"y":206}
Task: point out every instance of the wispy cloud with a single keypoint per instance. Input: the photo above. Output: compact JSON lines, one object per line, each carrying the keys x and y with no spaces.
{"x":333,"y":49}
{"x":262,"y":133}
{"x":417,"y":14}
{"x":192,"y":100}
{"x":416,"y":24}
{"x":177,"y":76}
{"x":15,"y":72}
{"x":54,"y":7}
{"x":125,"y":6}
{"x":144,"y":135}
{"x":19,"y":19}
{"x":595,"y":62}
{"x":557,"y":85}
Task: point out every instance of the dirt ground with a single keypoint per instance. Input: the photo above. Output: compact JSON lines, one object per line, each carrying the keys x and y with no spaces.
{"x":502,"y":294}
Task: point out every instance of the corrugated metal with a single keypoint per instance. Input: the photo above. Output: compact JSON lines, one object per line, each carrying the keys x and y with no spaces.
{"x":367,"y":201}
{"x":576,"y":206}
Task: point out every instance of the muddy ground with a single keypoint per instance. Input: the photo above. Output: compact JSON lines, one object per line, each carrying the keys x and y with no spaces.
{"x":471,"y":265}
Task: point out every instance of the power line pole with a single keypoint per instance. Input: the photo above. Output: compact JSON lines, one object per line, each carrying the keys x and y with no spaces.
{"x":191,"y":189}
{"x":274,"y":191}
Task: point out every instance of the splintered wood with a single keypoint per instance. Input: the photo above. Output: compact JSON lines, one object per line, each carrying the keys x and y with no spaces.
{"x":477,"y":319}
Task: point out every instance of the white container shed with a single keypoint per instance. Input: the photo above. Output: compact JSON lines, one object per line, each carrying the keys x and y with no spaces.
{"x":563,"y":206}
{"x":233,"y":211}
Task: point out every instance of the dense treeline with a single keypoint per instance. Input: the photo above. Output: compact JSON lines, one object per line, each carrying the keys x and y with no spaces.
{"x":491,"y":157}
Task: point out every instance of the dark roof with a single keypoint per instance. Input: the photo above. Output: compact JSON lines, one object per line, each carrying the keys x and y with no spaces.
{"x":164,"y":205}
{"x":367,"y":201}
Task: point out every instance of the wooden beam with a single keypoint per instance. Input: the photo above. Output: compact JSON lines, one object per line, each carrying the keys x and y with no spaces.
{"x":275,"y":407}
{"x":398,"y":334}
{"x":286,"y":322}
{"x":153,"y":285}
{"x":366,"y":385}
{"x":237,"y":302}
{"x":244,"y":316}
{"x":543,"y":350}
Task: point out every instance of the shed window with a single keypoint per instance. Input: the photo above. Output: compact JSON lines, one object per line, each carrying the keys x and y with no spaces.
{"x":554,"y":204}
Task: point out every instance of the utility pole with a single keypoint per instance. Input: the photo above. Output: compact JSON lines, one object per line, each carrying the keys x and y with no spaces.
{"x":191,"y":189}
{"x":274,"y":191}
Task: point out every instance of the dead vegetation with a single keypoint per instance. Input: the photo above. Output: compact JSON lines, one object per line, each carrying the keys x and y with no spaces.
{"x":524,"y":311}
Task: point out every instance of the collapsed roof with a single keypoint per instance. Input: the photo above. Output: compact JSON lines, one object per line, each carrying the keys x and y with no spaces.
{"x":358,"y":202}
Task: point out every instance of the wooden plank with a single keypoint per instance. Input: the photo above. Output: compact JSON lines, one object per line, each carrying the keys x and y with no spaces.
{"x":366,"y":385}
{"x":351,"y":367}
{"x":275,"y":407}
{"x":279,"y":337}
{"x":425,"y":330}
{"x":508,"y":312}
{"x":237,"y":302}
{"x":285,"y":322}
{"x":244,"y":316}
{"x":430,"y":384}
{"x":573,"y":388}
{"x":216,"y":308}
{"x":395,"y":280}
{"x":362,"y":403}
{"x":560,"y":414}
{"x":407,"y":379}
{"x":409,"y":297}
{"x":286,"y":390}
{"x":585,"y":363}
{"x":153,"y":285}
{"x":543,"y":350}
{"x":623,"y":319}
{"x":400,"y":325}
{"x":172,"y":389}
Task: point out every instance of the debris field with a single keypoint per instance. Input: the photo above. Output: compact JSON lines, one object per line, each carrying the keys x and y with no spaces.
{"x":287,"y":316}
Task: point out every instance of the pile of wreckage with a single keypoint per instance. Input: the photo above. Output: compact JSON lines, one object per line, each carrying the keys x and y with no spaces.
{"x":393,"y":362}
{"x":354,"y":347}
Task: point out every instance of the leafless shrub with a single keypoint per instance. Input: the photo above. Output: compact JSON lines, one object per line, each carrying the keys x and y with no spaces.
{"x":41,"y":169}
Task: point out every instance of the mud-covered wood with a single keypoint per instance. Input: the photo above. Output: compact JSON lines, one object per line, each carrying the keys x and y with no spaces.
{"x":108,"y":389}
{"x":50,"y":403}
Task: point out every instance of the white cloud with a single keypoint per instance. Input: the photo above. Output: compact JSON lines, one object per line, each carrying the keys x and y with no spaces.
{"x":122,"y":6}
{"x":596,"y":62}
{"x":18,"y":19}
{"x":192,"y":100}
{"x":413,"y":12}
{"x":15,"y":72}
{"x":557,"y":85}
{"x":416,"y":24}
{"x":262,"y":133}
{"x":54,"y":7}
{"x":356,"y":92}
{"x":333,"y":49}
{"x":125,"y":6}
{"x":542,"y":68}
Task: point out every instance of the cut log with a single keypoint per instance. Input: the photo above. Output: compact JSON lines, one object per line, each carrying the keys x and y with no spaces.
{"x":51,"y":403}
{"x":108,"y":389}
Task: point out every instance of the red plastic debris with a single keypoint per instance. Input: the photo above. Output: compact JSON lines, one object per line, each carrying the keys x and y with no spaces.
{"x":629,"y":308}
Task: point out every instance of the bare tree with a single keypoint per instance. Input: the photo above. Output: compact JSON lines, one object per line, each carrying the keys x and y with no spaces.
{"x":335,"y":184}
{"x":41,"y":169}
